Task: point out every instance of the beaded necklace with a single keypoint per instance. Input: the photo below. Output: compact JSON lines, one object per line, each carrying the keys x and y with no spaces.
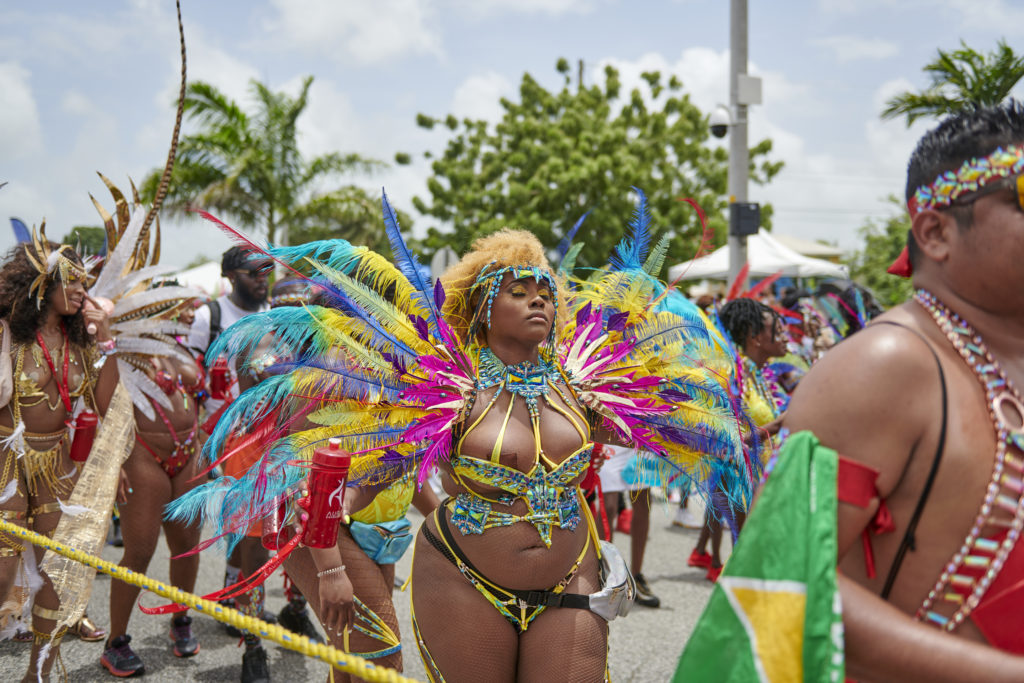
{"x":981,"y":553}
{"x":527,"y":380}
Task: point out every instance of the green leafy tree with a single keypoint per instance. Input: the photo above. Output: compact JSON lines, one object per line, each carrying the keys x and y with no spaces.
{"x":86,"y":239}
{"x":960,"y":78}
{"x":557,"y":154}
{"x":246,"y":167}
{"x":883,"y":242}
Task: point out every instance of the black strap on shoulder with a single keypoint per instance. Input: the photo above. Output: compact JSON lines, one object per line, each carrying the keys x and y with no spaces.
{"x":909,"y":541}
{"x":214,"y":322}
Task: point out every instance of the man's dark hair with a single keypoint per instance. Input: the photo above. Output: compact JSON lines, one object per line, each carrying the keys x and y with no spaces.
{"x":234,"y":258}
{"x":970,"y":134}
{"x":744,"y":318}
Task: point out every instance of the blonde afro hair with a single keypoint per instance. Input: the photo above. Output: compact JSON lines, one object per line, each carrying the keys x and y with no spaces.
{"x":507,"y":247}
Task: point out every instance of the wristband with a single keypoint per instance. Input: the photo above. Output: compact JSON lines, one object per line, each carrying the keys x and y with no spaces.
{"x":107,"y":347}
{"x":339,"y":568}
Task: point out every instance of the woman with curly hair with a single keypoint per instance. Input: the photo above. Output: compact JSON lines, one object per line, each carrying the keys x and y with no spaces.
{"x":54,"y":337}
{"x":162,"y":466}
{"x":503,"y":377}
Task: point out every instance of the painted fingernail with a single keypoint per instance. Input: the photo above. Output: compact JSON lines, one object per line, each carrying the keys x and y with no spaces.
{"x":131,"y":490}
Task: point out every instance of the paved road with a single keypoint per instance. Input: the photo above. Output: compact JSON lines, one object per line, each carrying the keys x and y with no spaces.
{"x":644,"y":646}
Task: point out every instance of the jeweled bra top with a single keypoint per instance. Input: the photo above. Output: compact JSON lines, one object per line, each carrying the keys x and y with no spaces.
{"x":547,"y":487}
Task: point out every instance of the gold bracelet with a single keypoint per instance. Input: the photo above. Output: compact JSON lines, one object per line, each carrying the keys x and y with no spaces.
{"x":339,"y":568}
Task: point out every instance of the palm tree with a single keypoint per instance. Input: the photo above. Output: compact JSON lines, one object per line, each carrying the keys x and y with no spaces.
{"x":960,"y":79}
{"x":247,"y":166}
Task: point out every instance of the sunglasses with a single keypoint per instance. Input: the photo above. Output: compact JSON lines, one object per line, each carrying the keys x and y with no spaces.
{"x":1015,"y":183}
{"x":256,"y":273}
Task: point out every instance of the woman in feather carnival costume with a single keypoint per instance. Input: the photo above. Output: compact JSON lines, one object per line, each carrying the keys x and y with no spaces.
{"x":502,"y":374}
{"x":166,"y":384}
{"x":47,"y":376}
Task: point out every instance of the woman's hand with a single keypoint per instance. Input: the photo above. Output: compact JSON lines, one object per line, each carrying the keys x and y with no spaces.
{"x":337,"y":606}
{"x":123,"y":488}
{"x":97,"y":317}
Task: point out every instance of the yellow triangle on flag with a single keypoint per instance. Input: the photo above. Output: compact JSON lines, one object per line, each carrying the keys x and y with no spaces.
{"x":772,"y":612}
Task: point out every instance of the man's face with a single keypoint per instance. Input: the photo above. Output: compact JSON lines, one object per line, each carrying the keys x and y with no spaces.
{"x":985,"y":258}
{"x":250,"y":281}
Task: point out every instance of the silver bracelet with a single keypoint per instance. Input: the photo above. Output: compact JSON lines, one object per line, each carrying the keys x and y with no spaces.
{"x":339,"y":568}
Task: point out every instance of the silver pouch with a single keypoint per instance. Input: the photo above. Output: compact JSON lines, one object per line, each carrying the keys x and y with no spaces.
{"x":618,"y":589}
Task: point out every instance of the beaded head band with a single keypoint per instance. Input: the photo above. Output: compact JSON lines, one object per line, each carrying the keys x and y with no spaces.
{"x":489,"y":282}
{"x":61,"y":262}
{"x":950,"y":186}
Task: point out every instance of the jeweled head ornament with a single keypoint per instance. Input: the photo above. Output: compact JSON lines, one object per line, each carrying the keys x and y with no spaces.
{"x":953,"y":187}
{"x":489,"y":282}
{"x":61,"y":262}
{"x":968,"y":179}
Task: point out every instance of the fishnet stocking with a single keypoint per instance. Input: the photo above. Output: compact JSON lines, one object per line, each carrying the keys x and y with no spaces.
{"x":371,"y":583}
{"x":452,"y":616}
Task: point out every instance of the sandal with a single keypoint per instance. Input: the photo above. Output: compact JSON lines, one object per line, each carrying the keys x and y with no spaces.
{"x":87,"y":630}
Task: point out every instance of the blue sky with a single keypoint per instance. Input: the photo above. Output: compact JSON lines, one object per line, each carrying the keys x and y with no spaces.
{"x":90,"y":86}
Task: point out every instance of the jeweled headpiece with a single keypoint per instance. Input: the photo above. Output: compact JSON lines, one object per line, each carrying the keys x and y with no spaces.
{"x":488,"y":282}
{"x":970,"y":177}
{"x":61,"y":262}
{"x":951,"y":185}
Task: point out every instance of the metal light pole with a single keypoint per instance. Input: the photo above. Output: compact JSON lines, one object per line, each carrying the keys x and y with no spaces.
{"x":739,"y":154}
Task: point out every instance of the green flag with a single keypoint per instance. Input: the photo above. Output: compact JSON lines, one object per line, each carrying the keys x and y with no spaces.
{"x":775,"y":614}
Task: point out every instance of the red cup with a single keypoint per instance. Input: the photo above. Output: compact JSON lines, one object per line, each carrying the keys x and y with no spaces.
{"x":327,"y":481}
{"x":219,"y":380}
{"x":85,"y":433}
{"x":275,"y":533}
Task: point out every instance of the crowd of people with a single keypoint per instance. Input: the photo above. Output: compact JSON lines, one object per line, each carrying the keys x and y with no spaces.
{"x":520,"y":406}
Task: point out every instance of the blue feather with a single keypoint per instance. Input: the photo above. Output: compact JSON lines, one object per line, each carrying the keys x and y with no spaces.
{"x":563,"y":246}
{"x":410,"y":267}
{"x":631,"y":252}
{"x":21,"y":233}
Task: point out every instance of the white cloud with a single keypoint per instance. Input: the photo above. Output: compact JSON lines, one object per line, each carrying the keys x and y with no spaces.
{"x":365,"y":32}
{"x":853,"y":48}
{"x":478,"y":97}
{"x":549,"y":7}
{"x":19,"y":116}
{"x":986,"y":15}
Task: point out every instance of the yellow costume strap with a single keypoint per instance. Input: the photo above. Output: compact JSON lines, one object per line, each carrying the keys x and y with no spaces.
{"x":352,"y":664}
{"x":496,"y":451}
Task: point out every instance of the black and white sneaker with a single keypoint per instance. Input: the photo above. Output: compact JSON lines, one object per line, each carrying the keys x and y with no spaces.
{"x":644,"y":595}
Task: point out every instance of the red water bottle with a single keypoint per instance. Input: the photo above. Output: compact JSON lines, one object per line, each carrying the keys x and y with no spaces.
{"x":85,"y":432}
{"x":219,"y":380}
{"x":326,"y":494}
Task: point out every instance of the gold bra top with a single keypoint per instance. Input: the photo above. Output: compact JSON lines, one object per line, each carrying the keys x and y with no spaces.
{"x":28,"y":393}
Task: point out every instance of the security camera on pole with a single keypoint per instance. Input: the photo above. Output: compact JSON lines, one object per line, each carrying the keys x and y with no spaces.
{"x":744,"y":90}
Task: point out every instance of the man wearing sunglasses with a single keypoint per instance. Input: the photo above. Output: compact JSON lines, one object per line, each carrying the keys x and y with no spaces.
{"x":911,"y":433}
{"x":248,"y":273}
{"x":924,"y":409}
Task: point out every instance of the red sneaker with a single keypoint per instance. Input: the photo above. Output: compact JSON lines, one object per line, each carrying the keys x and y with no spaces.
{"x":699,"y":559}
{"x":625,"y":521}
{"x":713,"y":573}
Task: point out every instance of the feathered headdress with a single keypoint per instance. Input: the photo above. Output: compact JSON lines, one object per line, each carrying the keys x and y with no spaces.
{"x":61,"y":262}
{"x":141,"y":321}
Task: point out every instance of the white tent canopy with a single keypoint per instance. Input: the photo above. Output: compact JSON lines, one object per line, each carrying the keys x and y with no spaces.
{"x":206,"y":277}
{"x":766,"y":256}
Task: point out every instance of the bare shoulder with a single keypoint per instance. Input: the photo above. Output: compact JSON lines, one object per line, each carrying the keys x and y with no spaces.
{"x":861,"y":398}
